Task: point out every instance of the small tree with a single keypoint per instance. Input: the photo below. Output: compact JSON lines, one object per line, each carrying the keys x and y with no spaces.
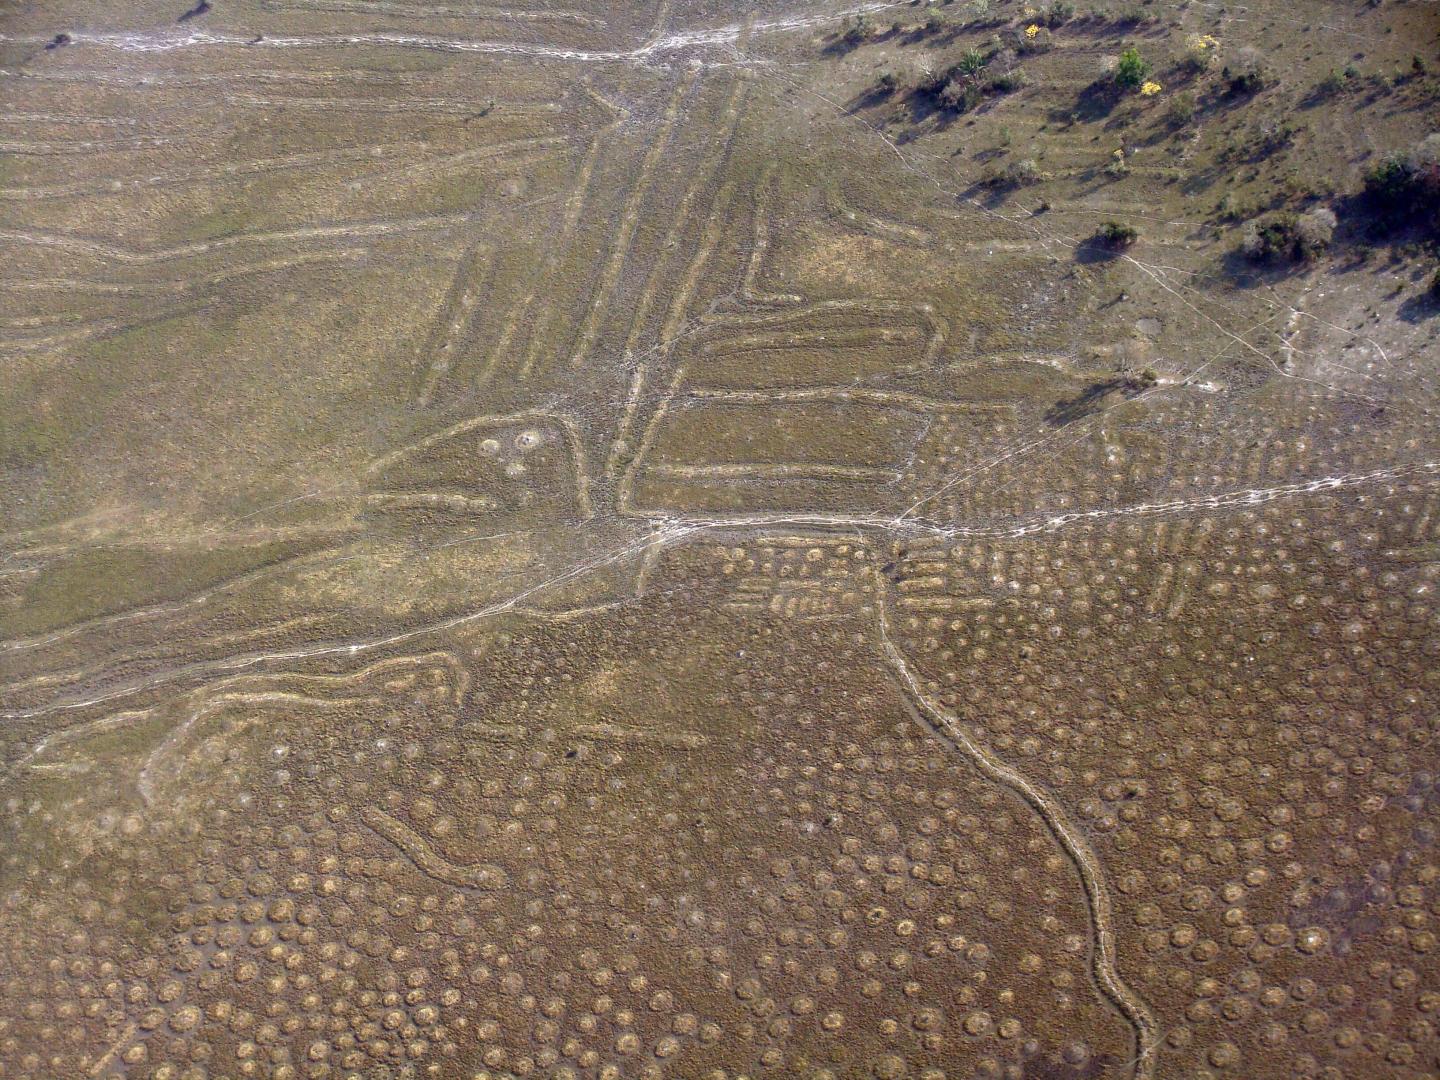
{"x":1131,"y":69}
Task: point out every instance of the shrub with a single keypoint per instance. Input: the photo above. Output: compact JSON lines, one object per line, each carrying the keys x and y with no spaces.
{"x":1333,"y":83}
{"x":972,"y":63}
{"x":854,"y":31}
{"x":1181,"y":110}
{"x":1314,"y":230}
{"x":1263,"y":243}
{"x":1115,"y":236}
{"x":1017,"y":174}
{"x":1135,"y":16}
{"x":1060,"y":13}
{"x":1008,"y":82}
{"x":1391,"y":181}
{"x":1289,"y":238}
{"x":1131,"y":69}
{"x":1246,"y":73}
{"x":958,"y":95}
{"x":960,"y":87}
{"x":1200,"y":52}
{"x":1404,"y":188}
{"x":1267,"y":139}
{"x":1023,"y":173}
{"x":1032,"y":39}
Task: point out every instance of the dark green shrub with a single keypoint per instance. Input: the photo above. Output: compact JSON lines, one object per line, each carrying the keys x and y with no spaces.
{"x":1393,"y":181}
{"x":1131,"y":69}
{"x":971,"y":63}
{"x":1115,"y":236}
{"x":1404,"y":188}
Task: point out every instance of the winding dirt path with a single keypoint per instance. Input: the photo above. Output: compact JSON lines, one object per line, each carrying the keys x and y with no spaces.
{"x":1092,"y":874}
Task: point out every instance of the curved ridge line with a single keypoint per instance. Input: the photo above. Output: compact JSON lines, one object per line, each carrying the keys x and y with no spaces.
{"x":1097,"y":892}
{"x":429,"y":861}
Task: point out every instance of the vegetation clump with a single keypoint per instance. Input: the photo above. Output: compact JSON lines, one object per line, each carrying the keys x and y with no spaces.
{"x":1019,"y":173}
{"x":1131,"y":69}
{"x":1338,"y":81}
{"x":1200,"y":53}
{"x":1116,"y":236}
{"x":1033,"y":38}
{"x":1246,"y":74}
{"x":856,"y":30}
{"x":1181,"y":110}
{"x":1289,"y":237}
{"x":1008,"y":82}
{"x":1404,"y":188}
{"x":964,"y":84}
{"x":1023,"y":172}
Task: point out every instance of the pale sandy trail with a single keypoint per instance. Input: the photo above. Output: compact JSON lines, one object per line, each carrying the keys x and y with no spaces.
{"x":669,"y":533}
{"x":660,"y":46}
{"x":1092,"y":874}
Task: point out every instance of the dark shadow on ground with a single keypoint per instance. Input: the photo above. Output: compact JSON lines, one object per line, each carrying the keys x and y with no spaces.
{"x":1091,"y":399}
{"x":1417,"y":309}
